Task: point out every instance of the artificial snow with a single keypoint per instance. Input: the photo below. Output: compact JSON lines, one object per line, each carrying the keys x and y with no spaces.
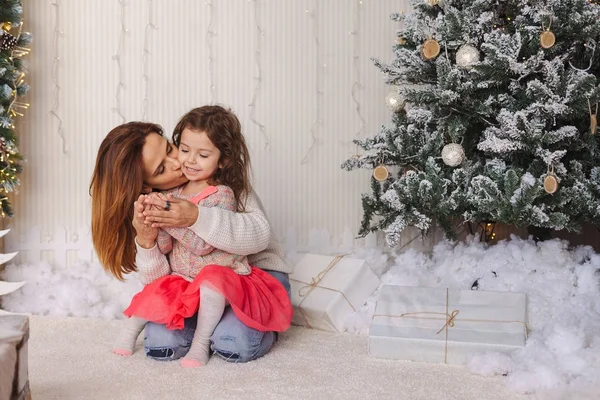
{"x":82,"y":290}
{"x":563,"y":287}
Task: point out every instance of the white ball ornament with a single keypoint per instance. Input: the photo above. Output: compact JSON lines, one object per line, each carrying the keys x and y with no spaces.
{"x":467,"y":56}
{"x":394,"y":101}
{"x":453,"y":154}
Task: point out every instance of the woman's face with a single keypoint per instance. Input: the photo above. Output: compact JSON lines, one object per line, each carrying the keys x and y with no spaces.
{"x":161,"y":168}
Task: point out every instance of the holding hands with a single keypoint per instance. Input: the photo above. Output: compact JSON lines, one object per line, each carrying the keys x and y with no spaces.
{"x":146,"y":234}
{"x":155,"y":210}
{"x":162,"y":211}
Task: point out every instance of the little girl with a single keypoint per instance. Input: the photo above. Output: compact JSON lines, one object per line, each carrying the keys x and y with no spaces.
{"x":214,"y":157}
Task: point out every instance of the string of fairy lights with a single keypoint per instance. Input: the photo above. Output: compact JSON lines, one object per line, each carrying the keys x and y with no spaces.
{"x":319,"y":93}
{"x":56,"y":34}
{"x":210,"y":35}
{"x":318,"y":65}
{"x":117,"y":57}
{"x":150,"y":26}
{"x":258,"y":78}
{"x":13,"y":41}
{"x":357,"y":85}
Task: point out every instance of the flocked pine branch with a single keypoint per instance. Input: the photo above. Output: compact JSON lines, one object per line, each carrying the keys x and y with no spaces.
{"x":521,"y":112}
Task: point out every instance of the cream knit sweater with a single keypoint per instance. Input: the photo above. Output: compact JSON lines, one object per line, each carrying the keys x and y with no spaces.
{"x":248,"y":233}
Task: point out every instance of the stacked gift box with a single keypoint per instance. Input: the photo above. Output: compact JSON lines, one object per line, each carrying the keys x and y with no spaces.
{"x":427,"y":324}
{"x":327,"y":289}
{"x":14,"y":334}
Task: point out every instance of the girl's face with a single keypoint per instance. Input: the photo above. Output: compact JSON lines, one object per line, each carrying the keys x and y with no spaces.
{"x":198,"y":156}
{"x":161,"y":169}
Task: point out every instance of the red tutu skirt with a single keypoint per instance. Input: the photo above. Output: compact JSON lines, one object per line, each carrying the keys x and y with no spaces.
{"x":259,"y":300}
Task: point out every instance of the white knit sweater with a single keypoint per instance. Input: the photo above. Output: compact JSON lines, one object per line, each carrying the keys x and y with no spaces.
{"x":248,"y":233}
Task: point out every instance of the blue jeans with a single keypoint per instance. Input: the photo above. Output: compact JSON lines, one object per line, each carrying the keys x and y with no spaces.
{"x":232,"y":340}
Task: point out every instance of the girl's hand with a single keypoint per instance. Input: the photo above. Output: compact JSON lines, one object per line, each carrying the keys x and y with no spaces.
{"x":179,"y":214}
{"x":152,"y":200}
{"x":146,"y":234}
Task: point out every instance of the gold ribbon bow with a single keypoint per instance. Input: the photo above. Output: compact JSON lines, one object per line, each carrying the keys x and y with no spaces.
{"x":308,"y":287}
{"x":450,"y":318}
{"x":305,"y":290}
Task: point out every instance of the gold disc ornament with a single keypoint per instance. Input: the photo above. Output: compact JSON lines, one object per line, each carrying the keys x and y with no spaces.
{"x":381,"y":173}
{"x":547,"y":39}
{"x":430,"y":49}
{"x":550,"y":182}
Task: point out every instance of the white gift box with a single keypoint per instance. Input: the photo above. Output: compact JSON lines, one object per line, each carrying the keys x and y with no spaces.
{"x":326,"y":289}
{"x":444,"y":325}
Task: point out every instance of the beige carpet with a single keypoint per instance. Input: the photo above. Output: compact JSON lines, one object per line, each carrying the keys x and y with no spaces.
{"x":70,"y":359}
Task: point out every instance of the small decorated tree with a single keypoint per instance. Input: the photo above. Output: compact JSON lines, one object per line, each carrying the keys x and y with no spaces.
{"x":13,"y":46}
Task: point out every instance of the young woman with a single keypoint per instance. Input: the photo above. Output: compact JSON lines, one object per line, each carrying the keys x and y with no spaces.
{"x":215,"y":160}
{"x":135,"y":158}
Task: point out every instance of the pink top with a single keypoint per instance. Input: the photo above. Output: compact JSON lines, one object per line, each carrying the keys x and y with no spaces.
{"x":188,"y":253}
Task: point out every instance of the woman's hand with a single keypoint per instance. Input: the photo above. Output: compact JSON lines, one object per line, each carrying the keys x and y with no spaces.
{"x":146,"y":234}
{"x":180,"y":213}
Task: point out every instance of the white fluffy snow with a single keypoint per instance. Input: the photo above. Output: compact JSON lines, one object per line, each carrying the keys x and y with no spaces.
{"x":563,"y":287}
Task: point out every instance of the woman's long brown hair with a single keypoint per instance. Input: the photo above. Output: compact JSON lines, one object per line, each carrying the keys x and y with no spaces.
{"x":225,"y":131}
{"x":116,"y":184}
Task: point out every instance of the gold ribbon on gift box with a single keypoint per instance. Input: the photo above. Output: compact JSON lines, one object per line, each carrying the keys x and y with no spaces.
{"x":308,"y":287}
{"x":449,"y":317}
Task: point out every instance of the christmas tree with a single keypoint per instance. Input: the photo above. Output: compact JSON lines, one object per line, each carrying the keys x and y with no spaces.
{"x":13,"y":46}
{"x":494,"y":118}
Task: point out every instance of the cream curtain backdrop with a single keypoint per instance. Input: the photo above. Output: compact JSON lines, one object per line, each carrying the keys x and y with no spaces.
{"x":297,"y":73}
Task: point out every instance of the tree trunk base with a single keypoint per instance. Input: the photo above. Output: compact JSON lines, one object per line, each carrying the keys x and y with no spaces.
{"x":539,"y":234}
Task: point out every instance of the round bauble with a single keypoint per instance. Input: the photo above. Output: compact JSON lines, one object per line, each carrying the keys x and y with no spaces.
{"x":467,"y":56}
{"x":453,"y":154}
{"x":394,"y":101}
